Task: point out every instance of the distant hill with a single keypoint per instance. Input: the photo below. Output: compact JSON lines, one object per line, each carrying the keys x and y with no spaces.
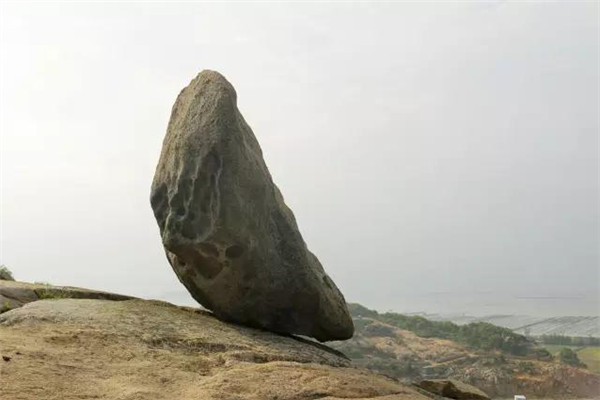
{"x":493,"y":358}
{"x":533,"y":326}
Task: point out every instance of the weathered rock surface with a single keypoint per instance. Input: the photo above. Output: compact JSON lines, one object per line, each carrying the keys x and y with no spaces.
{"x":453,"y":389}
{"x":131,"y":350}
{"x":226,"y":230}
{"x":15,"y":294}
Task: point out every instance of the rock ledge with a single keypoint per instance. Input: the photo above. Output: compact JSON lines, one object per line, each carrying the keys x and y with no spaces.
{"x":140,"y":349}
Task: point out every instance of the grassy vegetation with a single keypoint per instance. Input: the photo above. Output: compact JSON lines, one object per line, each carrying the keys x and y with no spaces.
{"x":477,"y":335}
{"x":590,"y":355}
{"x":569,"y":357}
{"x":6,"y":274}
{"x":555,"y":348}
{"x":5,"y":306}
{"x":569,"y":340}
{"x":52,"y":293}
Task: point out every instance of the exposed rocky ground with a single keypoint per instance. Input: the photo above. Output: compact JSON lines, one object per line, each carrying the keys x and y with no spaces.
{"x":15,"y":294}
{"x":93,"y":346}
{"x":62,"y":348}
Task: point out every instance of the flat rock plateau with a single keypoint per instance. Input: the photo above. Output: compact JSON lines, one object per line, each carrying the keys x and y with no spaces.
{"x":113,"y":347}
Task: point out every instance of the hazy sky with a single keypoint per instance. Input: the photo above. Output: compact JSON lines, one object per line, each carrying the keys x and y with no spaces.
{"x":438,"y":156}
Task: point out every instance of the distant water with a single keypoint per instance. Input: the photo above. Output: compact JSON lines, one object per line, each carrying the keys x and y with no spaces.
{"x":489,"y":303}
{"x":570,"y":315}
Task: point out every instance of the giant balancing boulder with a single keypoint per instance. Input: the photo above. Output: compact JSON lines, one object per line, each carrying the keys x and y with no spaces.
{"x":225,"y":228}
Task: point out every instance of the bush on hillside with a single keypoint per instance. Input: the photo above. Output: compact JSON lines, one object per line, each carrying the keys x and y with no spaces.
{"x":379,"y":330}
{"x":569,"y":357}
{"x":5,"y":274}
{"x":482,"y":335}
{"x":357,"y":311}
{"x":361,"y":323}
{"x":541,"y":354}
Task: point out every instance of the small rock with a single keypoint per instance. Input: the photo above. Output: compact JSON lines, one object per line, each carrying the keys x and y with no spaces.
{"x":453,"y":389}
{"x":6,"y":358}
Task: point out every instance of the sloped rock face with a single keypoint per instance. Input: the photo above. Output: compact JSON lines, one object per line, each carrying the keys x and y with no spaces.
{"x":15,"y":294}
{"x":130,"y":350}
{"x":227,"y":232}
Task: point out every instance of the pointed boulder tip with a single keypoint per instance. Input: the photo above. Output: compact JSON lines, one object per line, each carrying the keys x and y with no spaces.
{"x":211,"y":72}
{"x":209,"y":76}
{"x":226,"y":230}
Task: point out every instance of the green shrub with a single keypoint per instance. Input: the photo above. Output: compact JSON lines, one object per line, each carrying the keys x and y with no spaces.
{"x":485,"y":336}
{"x":356,"y":310}
{"x":5,"y":307}
{"x":541,"y":354}
{"x":361,"y":323}
{"x":378,"y":330}
{"x":569,"y":357}
{"x":5,"y":274}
